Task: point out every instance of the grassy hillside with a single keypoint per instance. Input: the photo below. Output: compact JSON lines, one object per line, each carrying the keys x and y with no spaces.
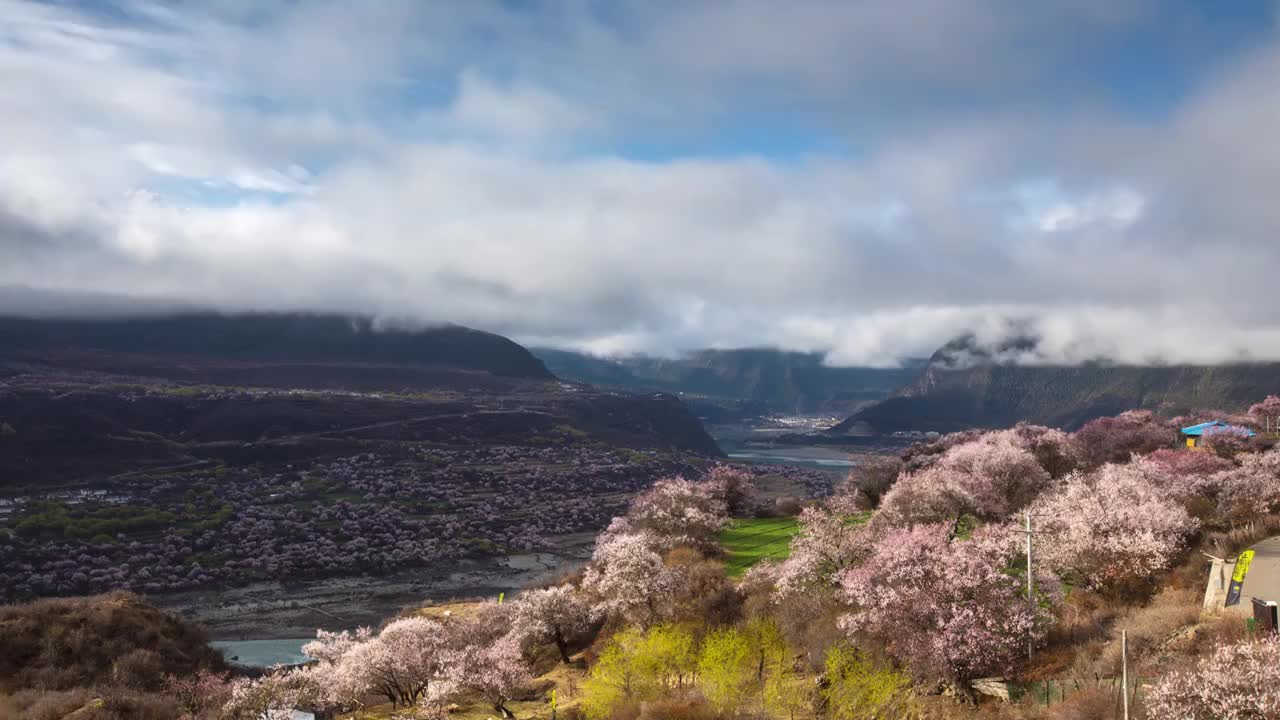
{"x":749,"y":541}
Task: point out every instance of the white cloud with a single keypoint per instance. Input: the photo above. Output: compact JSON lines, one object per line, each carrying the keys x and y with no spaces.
{"x":477,"y":167}
{"x":520,"y":111}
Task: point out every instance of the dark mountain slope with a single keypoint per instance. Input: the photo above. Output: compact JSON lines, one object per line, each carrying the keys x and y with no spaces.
{"x":239,"y":342}
{"x":962,"y":388}
{"x":771,"y":380}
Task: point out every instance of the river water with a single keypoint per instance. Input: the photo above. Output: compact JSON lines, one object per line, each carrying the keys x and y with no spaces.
{"x":262,"y":653}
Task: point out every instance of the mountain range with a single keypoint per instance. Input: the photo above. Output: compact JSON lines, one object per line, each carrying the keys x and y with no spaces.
{"x":963,"y":384}
{"x":223,"y":342}
{"x":748,"y":380}
{"x":968,"y":385}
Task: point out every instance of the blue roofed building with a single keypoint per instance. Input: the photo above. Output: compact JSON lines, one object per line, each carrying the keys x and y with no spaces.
{"x":1195,"y":434}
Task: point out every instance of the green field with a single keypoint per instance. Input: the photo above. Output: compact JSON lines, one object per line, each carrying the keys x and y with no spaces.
{"x":747,"y":542}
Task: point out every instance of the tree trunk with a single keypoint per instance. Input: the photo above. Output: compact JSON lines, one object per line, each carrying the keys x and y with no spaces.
{"x":501,"y":707}
{"x":562,"y":646}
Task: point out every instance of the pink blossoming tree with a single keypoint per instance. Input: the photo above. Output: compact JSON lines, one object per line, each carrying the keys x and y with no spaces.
{"x":950,"y":609}
{"x":494,"y":671}
{"x":827,"y":544}
{"x":1237,"y":682}
{"x":681,"y":512}
{"x":1115,"y":528}
{"x":989,"y":477}
{"x":628,"y":578}
{"x":554,"y":615}
{"x":1267,"y":411}
{"x":401,"y":662}
{"x":735,"y":489}
{"x":1114,"y":439}
{"x":1251,"y":490}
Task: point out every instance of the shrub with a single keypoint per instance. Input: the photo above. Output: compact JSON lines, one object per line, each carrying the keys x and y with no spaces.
{"x":49,"y":704}
{"x":140,"y":669}
{"x":59,"y":644}
{"x":1091,"y":703}
{"x":119,"y":703}
{"x":1149,"y":629}
{"x":703,"y":594}
{"x":683,"y":709}
{"x":198,"y":694}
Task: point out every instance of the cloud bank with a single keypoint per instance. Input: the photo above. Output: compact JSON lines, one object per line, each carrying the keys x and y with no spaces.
{"x":864,"y":179}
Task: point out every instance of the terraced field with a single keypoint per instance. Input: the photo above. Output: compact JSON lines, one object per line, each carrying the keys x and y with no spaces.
{"x":748,"y":541}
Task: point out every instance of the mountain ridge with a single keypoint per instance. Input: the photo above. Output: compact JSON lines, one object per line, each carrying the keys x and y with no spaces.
{"x":760,"y":379}
{"x":965,"y":386}
{"x":274,"y":338}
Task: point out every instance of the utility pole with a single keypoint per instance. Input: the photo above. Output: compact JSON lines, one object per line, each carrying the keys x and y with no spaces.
{"x":1031,"y":598}
{"x":1124,"y":670}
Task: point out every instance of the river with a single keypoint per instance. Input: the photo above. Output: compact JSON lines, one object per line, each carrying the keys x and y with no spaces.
{"x":290,"y":612}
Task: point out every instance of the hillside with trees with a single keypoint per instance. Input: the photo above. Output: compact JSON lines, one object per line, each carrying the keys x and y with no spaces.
{"x":905,"y":594}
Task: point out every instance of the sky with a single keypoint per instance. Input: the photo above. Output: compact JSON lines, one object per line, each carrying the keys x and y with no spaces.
{"x":860,"y":178}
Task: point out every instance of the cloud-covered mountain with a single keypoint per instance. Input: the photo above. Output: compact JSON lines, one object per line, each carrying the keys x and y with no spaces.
{"x":220,"y":346}
{"x":969,"y":384}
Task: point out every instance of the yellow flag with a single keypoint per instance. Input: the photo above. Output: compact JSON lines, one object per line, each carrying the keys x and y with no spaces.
{"x":1242,"y":565}
{"x":1237,"y":578}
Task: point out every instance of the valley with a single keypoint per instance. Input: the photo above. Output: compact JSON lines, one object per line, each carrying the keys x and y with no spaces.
{"x":283,"y":489}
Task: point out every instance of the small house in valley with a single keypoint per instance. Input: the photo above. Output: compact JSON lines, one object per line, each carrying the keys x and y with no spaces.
{"x":1197,"y":434}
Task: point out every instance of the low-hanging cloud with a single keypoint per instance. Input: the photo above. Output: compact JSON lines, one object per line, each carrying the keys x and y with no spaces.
{"x":474,"y":170}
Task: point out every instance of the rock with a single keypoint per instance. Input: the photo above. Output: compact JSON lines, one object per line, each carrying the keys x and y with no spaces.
{"x":993,"y":687}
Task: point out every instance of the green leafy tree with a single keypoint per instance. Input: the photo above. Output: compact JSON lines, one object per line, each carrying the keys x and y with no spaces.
{"x":637,"y":665}
{"x":614,"y":677}
{"x":667,"y":655}
{"x":856,"y":688}
{"x":727,"y":671}
{"x":769,"y":650}
{"x":751,"y":666}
